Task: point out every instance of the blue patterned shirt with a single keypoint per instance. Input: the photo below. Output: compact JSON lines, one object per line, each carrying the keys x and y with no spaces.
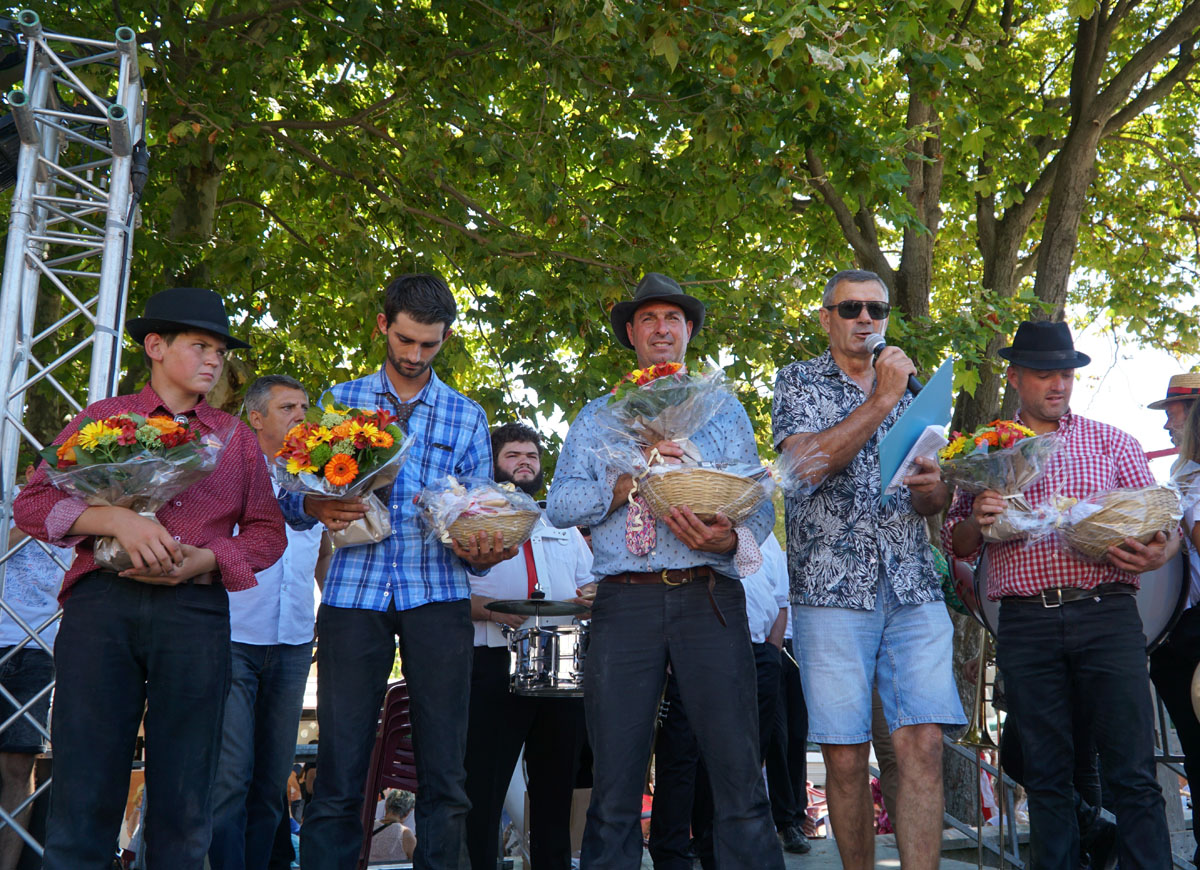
{"x":582,"y":490}
{"x":838,"y":536}
{"x":451,"y":438}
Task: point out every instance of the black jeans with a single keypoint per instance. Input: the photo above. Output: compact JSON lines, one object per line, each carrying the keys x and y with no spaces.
{"x":1171,"y":669}
{"x":355,"y":650}
{"x":787,"y":750}
{"x":636,"y":630}
{"x":552,"y":731}
{"x":1088,"y":655}
{"x":683,"y":795}
{"x":126,"y":646}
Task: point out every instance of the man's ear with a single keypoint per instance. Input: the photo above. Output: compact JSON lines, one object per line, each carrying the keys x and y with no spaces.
{"x":154,"y":345}
{"x":254,"y":419}
{"x":691,"y":326}
{"x":449,"y":331}
{"x":381,"y":323}
{"x":629,"y":331}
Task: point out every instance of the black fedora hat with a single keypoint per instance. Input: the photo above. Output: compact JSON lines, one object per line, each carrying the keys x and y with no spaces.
{"x":1044,"y":345}
{"x":655,"y":287}
{"x":183,"y":308}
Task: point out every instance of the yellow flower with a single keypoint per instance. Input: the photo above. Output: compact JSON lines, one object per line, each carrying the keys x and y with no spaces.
{"x":319,"y":435}
{"x":1025,"y":430}
{"x":294,"y":466}
{"x":96,"y":433}
{"x":954,"y":448}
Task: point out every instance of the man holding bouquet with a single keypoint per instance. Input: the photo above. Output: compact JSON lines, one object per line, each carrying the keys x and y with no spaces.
{"x":402,"y":587}
{"x":668,"y":594}
{"x":867,"y":600}
{"x":1070,"y":638}
{"x":156,"y":635}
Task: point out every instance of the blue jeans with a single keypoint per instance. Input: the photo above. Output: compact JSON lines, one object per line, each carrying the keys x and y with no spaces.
{"x":355,"y":650}
{"x":126,"y":646}
{"x":1089,"y":653}
{"x":636,"y":631}
{"x":262,"y":716}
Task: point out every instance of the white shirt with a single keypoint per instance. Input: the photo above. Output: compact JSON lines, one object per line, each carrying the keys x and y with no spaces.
{"x":766,"y":590}
{"x":1189,"y":519}
{"x":282,"y":607}
{"x":563,"y":563}
{"x":31,"y":583}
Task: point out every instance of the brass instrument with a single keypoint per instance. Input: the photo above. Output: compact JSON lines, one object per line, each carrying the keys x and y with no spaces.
{"x":976,"y":736}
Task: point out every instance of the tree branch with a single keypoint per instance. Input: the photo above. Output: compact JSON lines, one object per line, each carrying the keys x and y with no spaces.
{"x":269,"y":212}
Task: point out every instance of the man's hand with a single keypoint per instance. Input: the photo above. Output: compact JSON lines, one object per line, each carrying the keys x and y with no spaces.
{"x":586,"y":595}
{"x":150,"y":546}
{"x":482,"y":552}
{"x":512,"y":620}
{"x":892,"y":369}
{"x":196,"y":560}
{"x":670,"y":451}
{"x":1138,"y":558}
{"x":715,"y":537}
{"x":988,"y":505}
{"x":335,"y":513}
{"x":929,"y":494}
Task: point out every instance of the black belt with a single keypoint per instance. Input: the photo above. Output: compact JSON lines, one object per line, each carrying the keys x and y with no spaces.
{"x":672,"y":577}
{"x":1061,"y":595}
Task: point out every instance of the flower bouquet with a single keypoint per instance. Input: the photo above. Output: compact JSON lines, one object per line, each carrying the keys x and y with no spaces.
{"x":664,"y":402}
{"x":457,"y":511}
{"x":1002,"y":456}
{"x":341,"y":453}
{"x":130,"y":461}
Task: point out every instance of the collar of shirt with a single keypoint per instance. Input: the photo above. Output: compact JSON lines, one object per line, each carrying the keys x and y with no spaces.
{"x":1064,"y":425}
{"x":427,"y":395}
{"x":148,"y":401}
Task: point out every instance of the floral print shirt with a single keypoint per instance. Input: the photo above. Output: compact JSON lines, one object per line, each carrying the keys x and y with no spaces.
{"x":840,"y":536}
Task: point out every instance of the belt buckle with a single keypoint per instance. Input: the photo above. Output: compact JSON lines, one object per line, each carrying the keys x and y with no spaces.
{"x":1046,"y":602}
{"x":666,"y":580}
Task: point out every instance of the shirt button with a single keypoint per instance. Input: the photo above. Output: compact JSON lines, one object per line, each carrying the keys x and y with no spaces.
{"x":395,"y":507}
{"x":393,"y":564}
{"x":178,"y":504}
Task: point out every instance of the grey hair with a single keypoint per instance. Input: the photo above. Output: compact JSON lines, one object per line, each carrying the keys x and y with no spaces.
{"x":259,"y":392}
{"x":399,"y":802}
{"x":853,"y":276}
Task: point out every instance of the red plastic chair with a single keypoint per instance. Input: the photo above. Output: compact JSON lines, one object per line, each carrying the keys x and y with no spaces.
{"x":392,"y":761}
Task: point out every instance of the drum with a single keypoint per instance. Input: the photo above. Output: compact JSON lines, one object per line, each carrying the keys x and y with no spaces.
{"x":547,"y":660}
{"x":1161,"y":600}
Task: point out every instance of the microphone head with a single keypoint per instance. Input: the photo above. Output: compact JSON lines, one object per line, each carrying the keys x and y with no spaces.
{"x":875,"y":343}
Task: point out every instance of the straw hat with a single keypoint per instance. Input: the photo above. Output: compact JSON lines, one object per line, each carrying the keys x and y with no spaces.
{"x":1178,"y":388}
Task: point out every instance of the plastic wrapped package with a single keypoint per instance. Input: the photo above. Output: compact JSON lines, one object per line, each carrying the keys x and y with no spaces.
{"x":454,"y":510}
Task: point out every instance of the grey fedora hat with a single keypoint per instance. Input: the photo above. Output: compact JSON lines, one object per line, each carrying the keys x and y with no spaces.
{"x":655,"y":287}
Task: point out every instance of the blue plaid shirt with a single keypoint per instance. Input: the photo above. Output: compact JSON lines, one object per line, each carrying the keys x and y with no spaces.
{"x":451,"y":438}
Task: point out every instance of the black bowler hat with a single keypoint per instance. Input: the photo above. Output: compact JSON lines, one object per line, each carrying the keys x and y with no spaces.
{"x":655,"y":287}
{"x":182,"y":308}
{"x":1044,"y":345}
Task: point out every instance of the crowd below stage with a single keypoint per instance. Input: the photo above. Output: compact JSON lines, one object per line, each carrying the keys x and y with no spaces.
{"x":707,"y":645}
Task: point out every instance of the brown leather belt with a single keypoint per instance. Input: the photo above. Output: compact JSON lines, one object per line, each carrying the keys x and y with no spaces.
{"x":1061,"y":595}
{"x":669,"y":576}
{"x":672,"y":577}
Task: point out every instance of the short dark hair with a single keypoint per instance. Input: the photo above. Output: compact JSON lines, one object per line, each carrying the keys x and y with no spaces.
{"x":422,"y":296}
{"x":852,"y":276}
{"x":511,"y":432}
{"x":259,"y":392}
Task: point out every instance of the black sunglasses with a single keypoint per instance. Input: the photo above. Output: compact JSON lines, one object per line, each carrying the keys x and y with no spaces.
{"x":849,"y":309}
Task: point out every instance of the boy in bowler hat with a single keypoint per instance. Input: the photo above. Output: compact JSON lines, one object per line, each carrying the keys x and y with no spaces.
{"x":154,"y":637}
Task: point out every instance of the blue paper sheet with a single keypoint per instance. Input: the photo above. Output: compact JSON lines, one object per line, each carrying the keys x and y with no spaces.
{"x":931,"y":407}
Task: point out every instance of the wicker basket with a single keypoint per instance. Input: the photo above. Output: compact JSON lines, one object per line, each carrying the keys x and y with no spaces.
{"x":516,"y":526}
{"x":705,"y":490}
{"x":1124,"y":513}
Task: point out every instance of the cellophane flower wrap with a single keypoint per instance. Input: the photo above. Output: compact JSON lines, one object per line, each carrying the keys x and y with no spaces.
{"x":131,"y":461}
{"x":477,"y":499}
{"x":343,"y":453}
{"x":664,"y":402}
{"x":1004,"y":457}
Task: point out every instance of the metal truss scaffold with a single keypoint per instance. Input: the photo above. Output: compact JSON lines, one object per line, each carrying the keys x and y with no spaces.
{"x":79,"y":114}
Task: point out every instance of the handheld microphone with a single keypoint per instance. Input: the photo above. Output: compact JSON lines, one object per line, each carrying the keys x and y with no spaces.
{"x":875,"y":343}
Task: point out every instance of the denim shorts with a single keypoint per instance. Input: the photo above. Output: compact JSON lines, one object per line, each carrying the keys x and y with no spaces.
{"x":905,"y":650}
{"x":24,"y":675}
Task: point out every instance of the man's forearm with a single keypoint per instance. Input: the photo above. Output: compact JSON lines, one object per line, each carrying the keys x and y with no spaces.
{"x":966,"y":537}
{"x":932,"y":501}
{"x":839,"y":444}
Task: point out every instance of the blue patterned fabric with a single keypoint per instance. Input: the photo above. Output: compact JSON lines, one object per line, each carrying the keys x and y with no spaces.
{"x":451,"y":438}
{"x":837,"y":536}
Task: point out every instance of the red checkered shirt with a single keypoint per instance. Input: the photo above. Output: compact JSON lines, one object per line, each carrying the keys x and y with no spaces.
{"x":237,"y":493}
{"x":1094,"y":458}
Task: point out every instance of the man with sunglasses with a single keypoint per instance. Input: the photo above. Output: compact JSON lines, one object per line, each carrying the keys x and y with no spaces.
{"x":867,"y":602}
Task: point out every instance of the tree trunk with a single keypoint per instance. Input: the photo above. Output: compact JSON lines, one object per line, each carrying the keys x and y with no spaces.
{"x":925,"y":167}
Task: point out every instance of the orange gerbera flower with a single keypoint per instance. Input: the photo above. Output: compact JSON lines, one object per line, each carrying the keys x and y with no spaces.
{"x":382,"y":439}
{"x":341,"y":469}
{"x":66,"y":451}
{"x":163,"y":424}
{"x":342,"y":430}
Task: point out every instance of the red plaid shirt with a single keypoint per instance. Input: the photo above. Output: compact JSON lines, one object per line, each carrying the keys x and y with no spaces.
{"x":1093,"y":458}
{"x":237,"y":493}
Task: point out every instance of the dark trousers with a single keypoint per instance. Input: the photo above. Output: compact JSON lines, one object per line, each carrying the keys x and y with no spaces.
{"x":126,"y":646}
{"x":355,"y":650}
{"x":787,"y":750}
{"x":1171,"y":668}
{"x":636,"y":631}
{"x":1084,"y":658}
{"x":552,"y":731}
{"x":683,"y":796}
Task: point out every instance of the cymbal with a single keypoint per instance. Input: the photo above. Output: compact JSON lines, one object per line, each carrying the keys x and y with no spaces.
{"x":536,"y":607}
